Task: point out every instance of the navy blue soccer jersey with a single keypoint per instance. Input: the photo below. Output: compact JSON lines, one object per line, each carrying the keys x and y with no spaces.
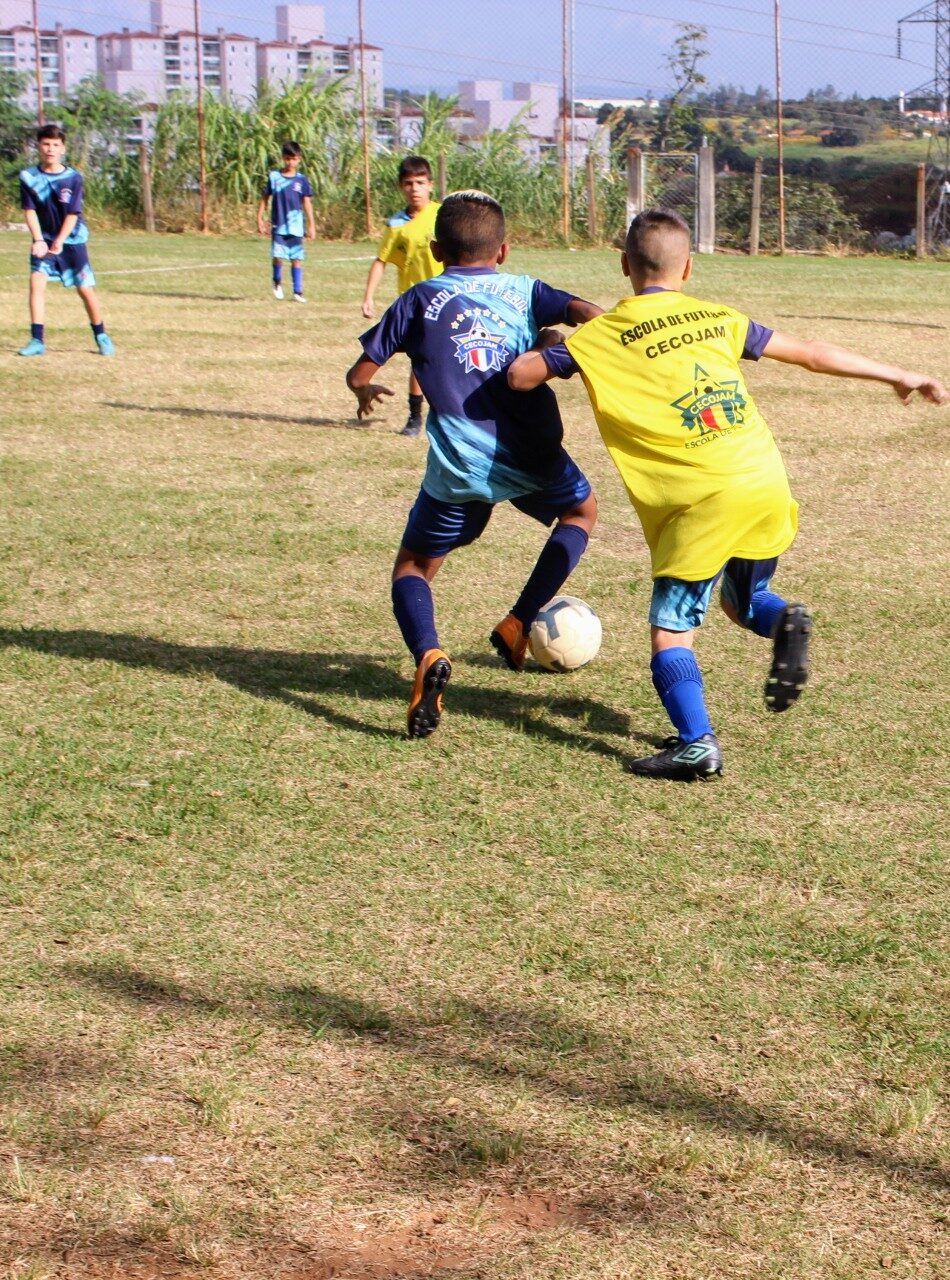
{"x":287,"y":193}
{"x":461,"y":330}
{"x":53,"y":196}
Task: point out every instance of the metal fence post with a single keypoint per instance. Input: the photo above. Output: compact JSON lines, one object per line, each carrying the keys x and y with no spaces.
{"x":755,"y":216}
{"x":921,"y":210}
{"x":635,"y":182}
{"x":146,"y":174}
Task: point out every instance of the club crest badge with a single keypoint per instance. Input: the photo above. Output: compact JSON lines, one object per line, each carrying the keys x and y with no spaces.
{"x":711,"y":404}
{"x":480,"y":349}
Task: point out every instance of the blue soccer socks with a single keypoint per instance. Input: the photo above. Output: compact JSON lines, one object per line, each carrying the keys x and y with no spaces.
{"x":278,"y":273}
{"x":556,"y":563}
{"x":766,"y":608}
{"x":296,"y":274}
{"x":679,"y":682}
{"x":37,"y":331}
{"x":415,"y":613}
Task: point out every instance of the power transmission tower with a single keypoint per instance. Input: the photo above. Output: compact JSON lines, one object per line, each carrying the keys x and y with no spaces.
{"x":937,"y":15}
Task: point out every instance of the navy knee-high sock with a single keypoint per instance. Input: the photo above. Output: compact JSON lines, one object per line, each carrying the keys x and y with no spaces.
{"x":296,"y":274}
{"x":767,"y":608}
{"x":679,"y":682}
{"x":278,"y":271}
{"x":556,"y":563}
{"x":415,"y":613}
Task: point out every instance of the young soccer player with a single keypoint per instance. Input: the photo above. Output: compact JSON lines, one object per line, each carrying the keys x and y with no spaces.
{"x":51,"y":196}
{"x":291,"y":198}
{"x":407,"y":244}
{"x":700,"y":467}
{"x":486,"y":444}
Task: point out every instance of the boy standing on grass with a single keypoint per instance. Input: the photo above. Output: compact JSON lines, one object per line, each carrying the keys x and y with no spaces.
{"x":407,"y":244}
{"x":51,"y":197}
{"x":700,"y":467}
{"x":486,"y":444}
{"x":291,"y":198}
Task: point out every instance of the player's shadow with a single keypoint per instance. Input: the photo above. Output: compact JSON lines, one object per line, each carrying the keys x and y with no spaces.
{"x":308,"y":681}
{"x":159,"y":293}
{"x":609,"y":1072}
{"x":192,"y":411}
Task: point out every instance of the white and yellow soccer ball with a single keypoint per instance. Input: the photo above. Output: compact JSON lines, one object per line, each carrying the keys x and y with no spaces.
{"x":565,"y":635}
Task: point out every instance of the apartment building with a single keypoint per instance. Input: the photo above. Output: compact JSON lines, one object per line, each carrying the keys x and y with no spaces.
{"x":66,"y":57}
{"x":152,"y":64}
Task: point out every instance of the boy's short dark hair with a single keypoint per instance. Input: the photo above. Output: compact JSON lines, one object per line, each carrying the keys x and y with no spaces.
{"x":50,"y":131}
{"x":410,"y":166}
{"x":654,"y":241}
{"x":291,"y":148}
{"x":470,"y":226}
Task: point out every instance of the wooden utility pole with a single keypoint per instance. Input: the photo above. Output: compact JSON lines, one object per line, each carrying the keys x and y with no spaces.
{"x":364,"y":109}
{"x":591,"y":199}
{"x":146,"y":173}
{"x":706,"y":204}
{"x":756,"y":215}
{"x":202,"y":159}
{"x":565,"y":160}
{"x":40,"y":116}
{"x":780,"y":124}
{"x":443,"y":180}
{"x":921,"y":210}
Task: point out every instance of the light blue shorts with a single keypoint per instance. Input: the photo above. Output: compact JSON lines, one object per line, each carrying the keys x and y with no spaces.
{"x":682,"y":606}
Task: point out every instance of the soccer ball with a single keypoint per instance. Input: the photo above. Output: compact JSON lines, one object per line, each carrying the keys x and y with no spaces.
{"x":565,"y":635}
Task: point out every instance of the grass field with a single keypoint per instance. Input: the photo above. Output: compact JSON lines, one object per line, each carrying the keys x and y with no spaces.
{"x":285,"y":995}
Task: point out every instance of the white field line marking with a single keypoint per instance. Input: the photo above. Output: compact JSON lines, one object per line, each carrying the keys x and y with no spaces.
{"x":204,"y":266}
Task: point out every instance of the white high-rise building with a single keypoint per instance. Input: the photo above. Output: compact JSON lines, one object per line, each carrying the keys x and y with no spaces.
{"x":301,"y":23}
{"x":172,"y":15}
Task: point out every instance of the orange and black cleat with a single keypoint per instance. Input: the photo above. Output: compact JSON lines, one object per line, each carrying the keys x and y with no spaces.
{"x":510,"y":642}
{"x":425,"y":706}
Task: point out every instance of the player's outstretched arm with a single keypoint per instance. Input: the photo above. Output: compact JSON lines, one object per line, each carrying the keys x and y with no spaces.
{"x":579,"y":311}
{"x":529,"y":370}
{"x":372,"y":280}
{"x":841,"y":362}
{"x":360,"y":382}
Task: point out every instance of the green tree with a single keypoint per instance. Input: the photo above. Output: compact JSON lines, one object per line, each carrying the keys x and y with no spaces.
{"x":15,"y":123}
{"x":678,"y":125}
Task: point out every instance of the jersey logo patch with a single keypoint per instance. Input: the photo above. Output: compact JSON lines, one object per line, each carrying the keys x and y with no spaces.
{"x":480,"y":349}
{"x":711,"y":405}
{"x":65,"y":195}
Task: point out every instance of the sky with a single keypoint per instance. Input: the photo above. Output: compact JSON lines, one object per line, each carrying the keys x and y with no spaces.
{"x":620,"y":46}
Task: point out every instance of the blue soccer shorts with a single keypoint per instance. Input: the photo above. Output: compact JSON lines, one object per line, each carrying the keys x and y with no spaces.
{"x":435,"y":527}
{"x":287,"y":248}
{"x":72,"y":266}
{"x":682,"y":606}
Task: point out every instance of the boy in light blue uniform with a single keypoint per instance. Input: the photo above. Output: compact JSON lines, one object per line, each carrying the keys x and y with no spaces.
{"x":291,"y":197}
{"x":51,"y":197}
{"x":486,"y":444}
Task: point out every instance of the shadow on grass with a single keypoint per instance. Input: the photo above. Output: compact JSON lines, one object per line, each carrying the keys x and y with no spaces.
{"x":608,"y":1072}
{"x":304,"y":680}
{"x":190,"y":411}
{"x":158,"y":293}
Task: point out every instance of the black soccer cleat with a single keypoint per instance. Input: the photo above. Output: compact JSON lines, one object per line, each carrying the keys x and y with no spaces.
{"x":426,"y":705}
{"x":413,"y":426}
{"x":682,"y":761}
{"x":789,"y":670}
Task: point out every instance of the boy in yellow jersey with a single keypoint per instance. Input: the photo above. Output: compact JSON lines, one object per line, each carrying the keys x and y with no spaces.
{"x":700,"y":467}
{"x":408,"y":244}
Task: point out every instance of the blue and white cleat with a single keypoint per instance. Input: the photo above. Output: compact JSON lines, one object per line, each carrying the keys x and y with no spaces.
{"x":105,"y":344}
{"x":33,"y":348}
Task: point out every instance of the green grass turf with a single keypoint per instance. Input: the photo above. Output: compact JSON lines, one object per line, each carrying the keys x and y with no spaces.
{"x":482,"y":1006}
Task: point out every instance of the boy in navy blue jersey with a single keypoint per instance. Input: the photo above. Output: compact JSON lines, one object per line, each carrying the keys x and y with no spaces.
{"x":51,"y":196}
{"x":486,"y":444}
{"x":291,"y":197}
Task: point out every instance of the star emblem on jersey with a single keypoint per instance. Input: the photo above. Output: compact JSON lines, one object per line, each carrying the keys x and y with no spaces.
{"x":711,"y":405}
{"x":479,"y":348}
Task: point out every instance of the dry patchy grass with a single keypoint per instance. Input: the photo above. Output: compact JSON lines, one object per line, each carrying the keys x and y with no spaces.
{"x":286,"y":995}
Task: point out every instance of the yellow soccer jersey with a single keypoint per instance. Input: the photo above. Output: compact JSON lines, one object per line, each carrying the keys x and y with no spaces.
{"x":406,"y":244}
{"x":698,"y":461}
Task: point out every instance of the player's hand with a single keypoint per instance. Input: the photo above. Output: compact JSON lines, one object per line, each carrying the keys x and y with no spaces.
{"x":547,"y":338}
{"x":261,"y":230}
{"x":312,"y":233}
{"x":368,"y":310}
{"x":367,"y":397}
{"x":930,"y":388}
{"x":39,"y":249}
